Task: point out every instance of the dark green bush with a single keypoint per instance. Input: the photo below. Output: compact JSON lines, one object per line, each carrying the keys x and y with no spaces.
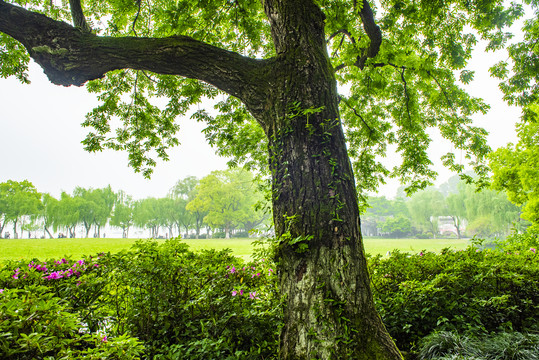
{"x":471,"y":290}
{"x":163,"y":301}
{"x":218,"y":235}
{"x":34,"y":324}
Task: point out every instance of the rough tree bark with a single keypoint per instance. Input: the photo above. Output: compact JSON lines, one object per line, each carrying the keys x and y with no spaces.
{"x":329,"y":312}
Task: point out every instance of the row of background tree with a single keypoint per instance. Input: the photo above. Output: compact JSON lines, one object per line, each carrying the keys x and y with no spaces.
{"x":455,"y":209}
{"x":231,"y":203}
{"x":222,"y":203}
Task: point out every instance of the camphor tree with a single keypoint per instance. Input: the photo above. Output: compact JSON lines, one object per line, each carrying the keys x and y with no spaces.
{"x":274,"y":66}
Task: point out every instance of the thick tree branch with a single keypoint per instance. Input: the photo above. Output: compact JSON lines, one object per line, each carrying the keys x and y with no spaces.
{"x":79,"y":21}
{"x":71,"y":57}
{"x":373,"y":32}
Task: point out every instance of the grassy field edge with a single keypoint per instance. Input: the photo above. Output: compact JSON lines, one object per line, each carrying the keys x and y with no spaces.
{"x":43,"y":249}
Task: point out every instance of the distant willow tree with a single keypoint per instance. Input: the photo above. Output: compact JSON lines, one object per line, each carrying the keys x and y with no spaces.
{"x":18,"y":199}
{"x":274,"y":66}
{"x":122,"y":215}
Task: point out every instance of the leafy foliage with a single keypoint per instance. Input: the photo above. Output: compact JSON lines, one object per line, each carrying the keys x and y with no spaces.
{"x":473,"y":290}
{"x":393,"y":99}
{"x":515,"y":169}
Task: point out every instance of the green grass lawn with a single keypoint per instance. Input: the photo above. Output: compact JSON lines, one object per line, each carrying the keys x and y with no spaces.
{"x":42,"y":249}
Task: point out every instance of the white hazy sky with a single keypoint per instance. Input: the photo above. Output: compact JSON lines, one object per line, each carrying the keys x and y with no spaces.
{"x":40,"y":140}
{"x":40,"y":137}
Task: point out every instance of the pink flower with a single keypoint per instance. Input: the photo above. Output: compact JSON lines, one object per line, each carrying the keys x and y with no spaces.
{"x":241,"y":291}
{"x":270,"y":272}
{"x":234,"y":293}
{"x":232,"y":270}
{"x":54,"y":275}
{"x":533,"y":250}
{"x":252,"y":295}
{"x":421,"y":253}
{"x":104,"y":338}
{"x":1,"y":291}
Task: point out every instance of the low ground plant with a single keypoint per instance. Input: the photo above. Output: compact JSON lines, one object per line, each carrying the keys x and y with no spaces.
{"x":497,"y":346}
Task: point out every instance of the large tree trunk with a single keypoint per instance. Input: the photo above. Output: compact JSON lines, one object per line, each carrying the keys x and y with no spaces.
{"x":329,"y":312}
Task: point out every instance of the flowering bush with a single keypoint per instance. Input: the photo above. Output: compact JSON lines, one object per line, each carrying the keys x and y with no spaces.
{"x":171,"y":298}
{"x":161,"y":299}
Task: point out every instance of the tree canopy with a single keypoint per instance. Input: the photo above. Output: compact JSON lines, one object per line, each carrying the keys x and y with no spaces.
{"x":399,"y":87}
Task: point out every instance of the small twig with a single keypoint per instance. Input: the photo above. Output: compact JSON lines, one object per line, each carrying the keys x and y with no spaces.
{"x":139,"y":3}
{"x":406,"y":94}
{"x":371,"y":130}
{"x":149,"y":77}
{"x":344,"y":32}
{"x":443,"y":91}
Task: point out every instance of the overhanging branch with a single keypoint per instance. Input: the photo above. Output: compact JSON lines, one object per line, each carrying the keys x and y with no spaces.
{"x":71,"y":57}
